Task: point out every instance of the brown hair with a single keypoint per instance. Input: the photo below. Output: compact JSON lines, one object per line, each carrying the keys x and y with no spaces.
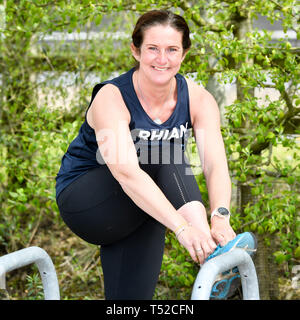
{"x":161,"y":17}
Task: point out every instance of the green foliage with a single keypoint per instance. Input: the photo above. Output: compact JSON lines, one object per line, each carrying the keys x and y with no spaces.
{"x":28,"y":176}
{"x":34,"y":287}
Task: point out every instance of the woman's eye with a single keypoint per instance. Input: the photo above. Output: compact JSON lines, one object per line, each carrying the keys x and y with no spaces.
{"x":153,"y":48}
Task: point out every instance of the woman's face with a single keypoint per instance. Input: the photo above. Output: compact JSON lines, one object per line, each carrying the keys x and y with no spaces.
{"x":161,"y":53}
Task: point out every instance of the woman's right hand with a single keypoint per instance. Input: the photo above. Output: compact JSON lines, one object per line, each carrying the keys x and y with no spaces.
{"x":199,"y":245}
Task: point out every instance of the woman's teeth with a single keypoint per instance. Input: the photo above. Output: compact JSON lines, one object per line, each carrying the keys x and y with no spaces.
{"x":160,"y":69}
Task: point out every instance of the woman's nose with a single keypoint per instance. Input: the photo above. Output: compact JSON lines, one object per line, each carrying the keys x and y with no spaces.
{"x":162,"y":57}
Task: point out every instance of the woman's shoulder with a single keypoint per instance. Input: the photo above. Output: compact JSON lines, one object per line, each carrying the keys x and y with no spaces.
{"x":108,"y":92}
{"x":202,"y":102}
{"x":199,"y":94}
{"x":196,"y":89}
{"x":113,"y":87}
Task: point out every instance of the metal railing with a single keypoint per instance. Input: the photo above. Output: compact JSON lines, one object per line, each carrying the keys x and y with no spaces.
{"x":210,"y":269}
{"x":24,"y":257}
{"x":201,"y":289}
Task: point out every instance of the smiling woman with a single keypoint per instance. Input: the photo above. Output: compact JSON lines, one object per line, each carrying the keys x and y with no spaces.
{"x":159,"y":59}
{"x":142,"y":119}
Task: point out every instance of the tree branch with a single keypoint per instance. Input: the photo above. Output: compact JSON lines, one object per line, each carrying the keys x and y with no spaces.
{"x":280,"y":7}
{"x":292,"y":111}
{"x":288,"y":102}
{"x":260,"y":220}
{"x":198,"y":20}
{"x":43,"y":5}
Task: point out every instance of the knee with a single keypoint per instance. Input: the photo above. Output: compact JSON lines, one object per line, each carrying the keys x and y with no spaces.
{"x":192,"y":206}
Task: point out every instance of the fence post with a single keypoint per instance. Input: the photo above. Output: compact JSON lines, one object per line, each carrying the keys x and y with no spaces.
{"x":24,"y":257}
{"x":210,"y":269}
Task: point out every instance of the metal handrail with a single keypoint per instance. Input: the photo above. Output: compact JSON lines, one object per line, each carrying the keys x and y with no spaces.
{"x":236,"y":258}
{"x":24,"y":257}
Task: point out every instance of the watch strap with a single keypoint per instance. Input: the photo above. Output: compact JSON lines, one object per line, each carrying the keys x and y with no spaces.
{"x":217,"y":213}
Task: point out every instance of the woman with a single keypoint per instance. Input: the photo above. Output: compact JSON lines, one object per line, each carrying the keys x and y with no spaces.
{"x":125,"y":178}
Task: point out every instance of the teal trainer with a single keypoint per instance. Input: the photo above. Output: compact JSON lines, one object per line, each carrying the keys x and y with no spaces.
{"x":227,"y":282}
{"x":226,"y":285}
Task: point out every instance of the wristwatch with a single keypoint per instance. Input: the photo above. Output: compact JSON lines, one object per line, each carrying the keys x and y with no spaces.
{"x":220,"y":212}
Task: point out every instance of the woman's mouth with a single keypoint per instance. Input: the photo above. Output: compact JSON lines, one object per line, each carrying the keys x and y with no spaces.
{"x":160,"y":69}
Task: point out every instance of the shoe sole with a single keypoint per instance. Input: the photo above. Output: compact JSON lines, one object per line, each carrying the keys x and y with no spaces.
{"x":226,"y":288}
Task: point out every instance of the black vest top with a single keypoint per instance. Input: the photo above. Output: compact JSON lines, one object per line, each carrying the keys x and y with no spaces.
{"x":151,"y":139}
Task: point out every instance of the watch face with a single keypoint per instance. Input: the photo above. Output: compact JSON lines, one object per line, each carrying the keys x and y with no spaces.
{"x":223,"y":211}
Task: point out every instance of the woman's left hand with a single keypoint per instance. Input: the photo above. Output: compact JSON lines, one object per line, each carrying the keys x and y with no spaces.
{"x":221,"y":230}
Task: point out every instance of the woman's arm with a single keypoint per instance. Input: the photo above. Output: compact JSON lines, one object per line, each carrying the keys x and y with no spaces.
{"x":206,"y":124}
{"x":110,"y":119}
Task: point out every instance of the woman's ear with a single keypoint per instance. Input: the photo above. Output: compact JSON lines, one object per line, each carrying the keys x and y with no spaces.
{"x":184,"y":54}
{"x":135,"y":52}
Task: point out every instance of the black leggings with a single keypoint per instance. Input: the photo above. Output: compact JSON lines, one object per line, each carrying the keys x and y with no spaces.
{"x":96,"y":208}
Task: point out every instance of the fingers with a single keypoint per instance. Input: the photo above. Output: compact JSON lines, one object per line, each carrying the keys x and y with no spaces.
{"x":199,"y":247}
{"x":204,"y":249}
{"x":222,"y":234}
{"x":196,"y":252}
{"x":187,"y":241}
{"x":196,"y":255}
{"x":224,"y":238}
{"x":200,"y":254}
{"x":221,"y":239}
{"x":208,"y":248}
{"x":212,"y":245}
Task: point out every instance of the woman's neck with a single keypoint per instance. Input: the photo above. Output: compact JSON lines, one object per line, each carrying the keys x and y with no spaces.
{"x":154,"y":94}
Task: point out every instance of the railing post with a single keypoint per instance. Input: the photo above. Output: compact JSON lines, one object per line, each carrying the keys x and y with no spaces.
{"x":24,"y":257}
{"x":210,"y":269}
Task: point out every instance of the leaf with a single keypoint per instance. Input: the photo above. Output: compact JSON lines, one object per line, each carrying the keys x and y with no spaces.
{"x":280,"y":257}
{"x":270,"y":135}
{"x":255,"y":191}
{"x":260,"y":229}
{"x":297,"y":252}
{"x":291,"y":180}
{"x":253,"y":226}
